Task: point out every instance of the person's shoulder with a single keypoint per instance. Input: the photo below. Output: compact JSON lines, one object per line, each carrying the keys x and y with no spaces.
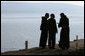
{"x":43,"y":17}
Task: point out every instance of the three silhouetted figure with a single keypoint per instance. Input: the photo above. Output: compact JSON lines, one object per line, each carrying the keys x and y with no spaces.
{"x":49,"y":29}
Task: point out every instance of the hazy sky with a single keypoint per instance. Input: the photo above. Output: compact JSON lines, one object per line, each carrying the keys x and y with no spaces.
{"x":79,"y":3}
{"x":38,"y":8}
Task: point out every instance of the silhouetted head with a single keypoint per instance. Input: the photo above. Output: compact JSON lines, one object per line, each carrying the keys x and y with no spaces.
{"x":47,"y":15}
{"x":52,"y":16}
{"x":62,"y":14}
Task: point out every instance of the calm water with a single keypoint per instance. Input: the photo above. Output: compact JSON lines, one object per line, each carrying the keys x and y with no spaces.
{"x":21,"y":22}
{"x":15,"y":31}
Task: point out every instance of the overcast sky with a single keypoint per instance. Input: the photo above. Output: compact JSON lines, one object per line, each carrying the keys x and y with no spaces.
{"x":79,"y":3}
{"x":38,"y":8}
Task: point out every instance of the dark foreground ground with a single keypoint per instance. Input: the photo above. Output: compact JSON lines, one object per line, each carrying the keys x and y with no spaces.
{"x":38,"y":51}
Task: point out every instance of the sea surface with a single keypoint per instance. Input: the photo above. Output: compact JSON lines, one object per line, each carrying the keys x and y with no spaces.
{"x":21,"y":22}
{"x":15,"y":31}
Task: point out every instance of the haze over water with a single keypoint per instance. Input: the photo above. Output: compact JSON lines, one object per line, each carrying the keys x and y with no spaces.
{"x":21,"y":22}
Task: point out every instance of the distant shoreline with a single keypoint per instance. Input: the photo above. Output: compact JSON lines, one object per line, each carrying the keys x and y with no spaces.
{"x":37,"y":49}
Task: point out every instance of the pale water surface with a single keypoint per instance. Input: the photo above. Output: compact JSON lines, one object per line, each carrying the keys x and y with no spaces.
{"x":21,"y":22}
